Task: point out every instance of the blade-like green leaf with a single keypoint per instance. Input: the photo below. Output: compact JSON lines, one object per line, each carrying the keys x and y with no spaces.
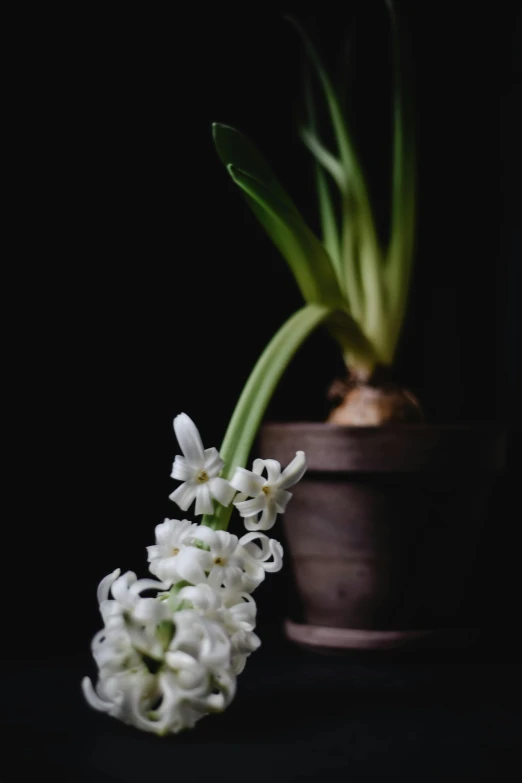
{"x":347,"y":150}
{"x":361,"y":255}
{"x":351,"y":272}
{"x":304,"y":253}
{"x":400,"y":250}
{"x":263,"y":381}
{"x":235,"y":149}
{"x":325,"y":158}
{"x":329,"y":226}
{"x":359,"y":351}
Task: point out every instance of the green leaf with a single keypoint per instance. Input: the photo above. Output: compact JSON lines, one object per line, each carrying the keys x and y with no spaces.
{"x":265,"y":376}
{"x":330,"y":229}
{"x":360,"y":252}
{"x":325,"y":158}
{"x":345,"y":143}
{"x":351,"y":271}
{"x":329,"y":226}
{"x":235,"y":149}
{"x":307,"y":258}
{"x":305,"y":254}
{"x":403,"y":218}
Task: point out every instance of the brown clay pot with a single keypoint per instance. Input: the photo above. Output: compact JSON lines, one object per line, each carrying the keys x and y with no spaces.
{"x":384,"y":530}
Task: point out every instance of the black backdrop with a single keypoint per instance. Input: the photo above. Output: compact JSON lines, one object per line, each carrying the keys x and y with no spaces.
{"x":143,"y":286}
{"x":151,"y":289}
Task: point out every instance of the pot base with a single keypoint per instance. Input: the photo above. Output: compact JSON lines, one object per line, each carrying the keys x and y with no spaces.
{"x":324,"y":638}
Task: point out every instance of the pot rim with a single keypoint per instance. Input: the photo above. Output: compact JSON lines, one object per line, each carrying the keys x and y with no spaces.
{"x":451,"y":448}
{"x":379,"y":428}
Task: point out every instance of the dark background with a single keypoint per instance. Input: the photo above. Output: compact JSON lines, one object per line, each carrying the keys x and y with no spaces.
{"x":144,"y":287}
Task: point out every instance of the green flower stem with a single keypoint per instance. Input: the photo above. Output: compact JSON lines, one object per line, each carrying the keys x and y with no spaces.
{"x":265,"y":376}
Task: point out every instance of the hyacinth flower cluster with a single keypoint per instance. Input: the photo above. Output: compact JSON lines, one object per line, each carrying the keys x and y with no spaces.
{"x":166,"y":660}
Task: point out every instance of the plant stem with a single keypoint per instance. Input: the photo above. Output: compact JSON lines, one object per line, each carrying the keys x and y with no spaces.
{"x":263,"y":381}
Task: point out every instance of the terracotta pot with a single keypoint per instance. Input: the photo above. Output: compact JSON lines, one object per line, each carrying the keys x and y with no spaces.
{"x":384,"y":530}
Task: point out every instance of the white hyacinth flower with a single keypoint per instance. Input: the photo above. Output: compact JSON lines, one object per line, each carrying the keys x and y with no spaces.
{"x":158,"y":671}
{"x":204,"y":639}
{"x":239,"y":618}
{"x":258,"y":560}
{"x":129,"y":615}
{"x":217,"y":563}
{"x":234,"y":611}
{"x":166,"y":661}
{"x":199,"y":471}
{"x":269,"y":496}
{"x":171,"y":536}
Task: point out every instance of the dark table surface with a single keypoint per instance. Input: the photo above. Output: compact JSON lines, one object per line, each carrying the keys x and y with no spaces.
{"x":297,"y":716}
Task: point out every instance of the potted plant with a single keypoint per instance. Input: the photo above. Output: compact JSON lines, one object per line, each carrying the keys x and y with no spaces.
{"x":385,"y":528}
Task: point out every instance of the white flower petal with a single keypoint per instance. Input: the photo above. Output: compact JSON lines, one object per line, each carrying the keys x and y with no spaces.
{"x":226,"y":543}
{"x":253,"y":574}
{"x":266,"y":521}
{"x":165,"y":530}
{"x":182,"y":470}
{"x":204,"y":503}
{"x":184,"y":495}
{"x":273,"y":469}
{"x":293,"y":472}
{"x":247,"y":482}
{"x":247,"y":541}
{"x":204,"y":639}
{"x":215,"y":648}
{"x":92,"y":697}
{"x":216,"y":577}
{"x":249,"y":508}
{"x":202,"y":597}
{"x":111,"y":612}
{"x":221,"y":490}
{"x":154,"y":552}
{"x":226,"y":684}
{"x":205,"y":534}
{"x":106,"y":584}
{"x":232,"y":597}
{"x":229,"y":576}
{"x":238,"y":663}
{"x":189,"y":440}
{"x":150,"y":609}
{"x":260,"y":554}
{"x":212,"y":462}
{"x":165,"y":569}
{"x":172,"y":533}
{"x":191,"y":564}
{"x":144,"y":584}
{"x":277,"y":553}
{"x":245,"y":642}
{"x":281,"y":497}
{"x":243,"y":615}
{"x":253,"y":579}
{"x":234,"y":578}
{"x":177,"y":659}
{"x":258,"y":466}
{"x":120,"y":588}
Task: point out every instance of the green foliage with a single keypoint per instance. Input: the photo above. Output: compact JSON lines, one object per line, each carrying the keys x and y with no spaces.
{"x":349,"y":283}
{"x":347,"y":270}
{"x":265,"y":376}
